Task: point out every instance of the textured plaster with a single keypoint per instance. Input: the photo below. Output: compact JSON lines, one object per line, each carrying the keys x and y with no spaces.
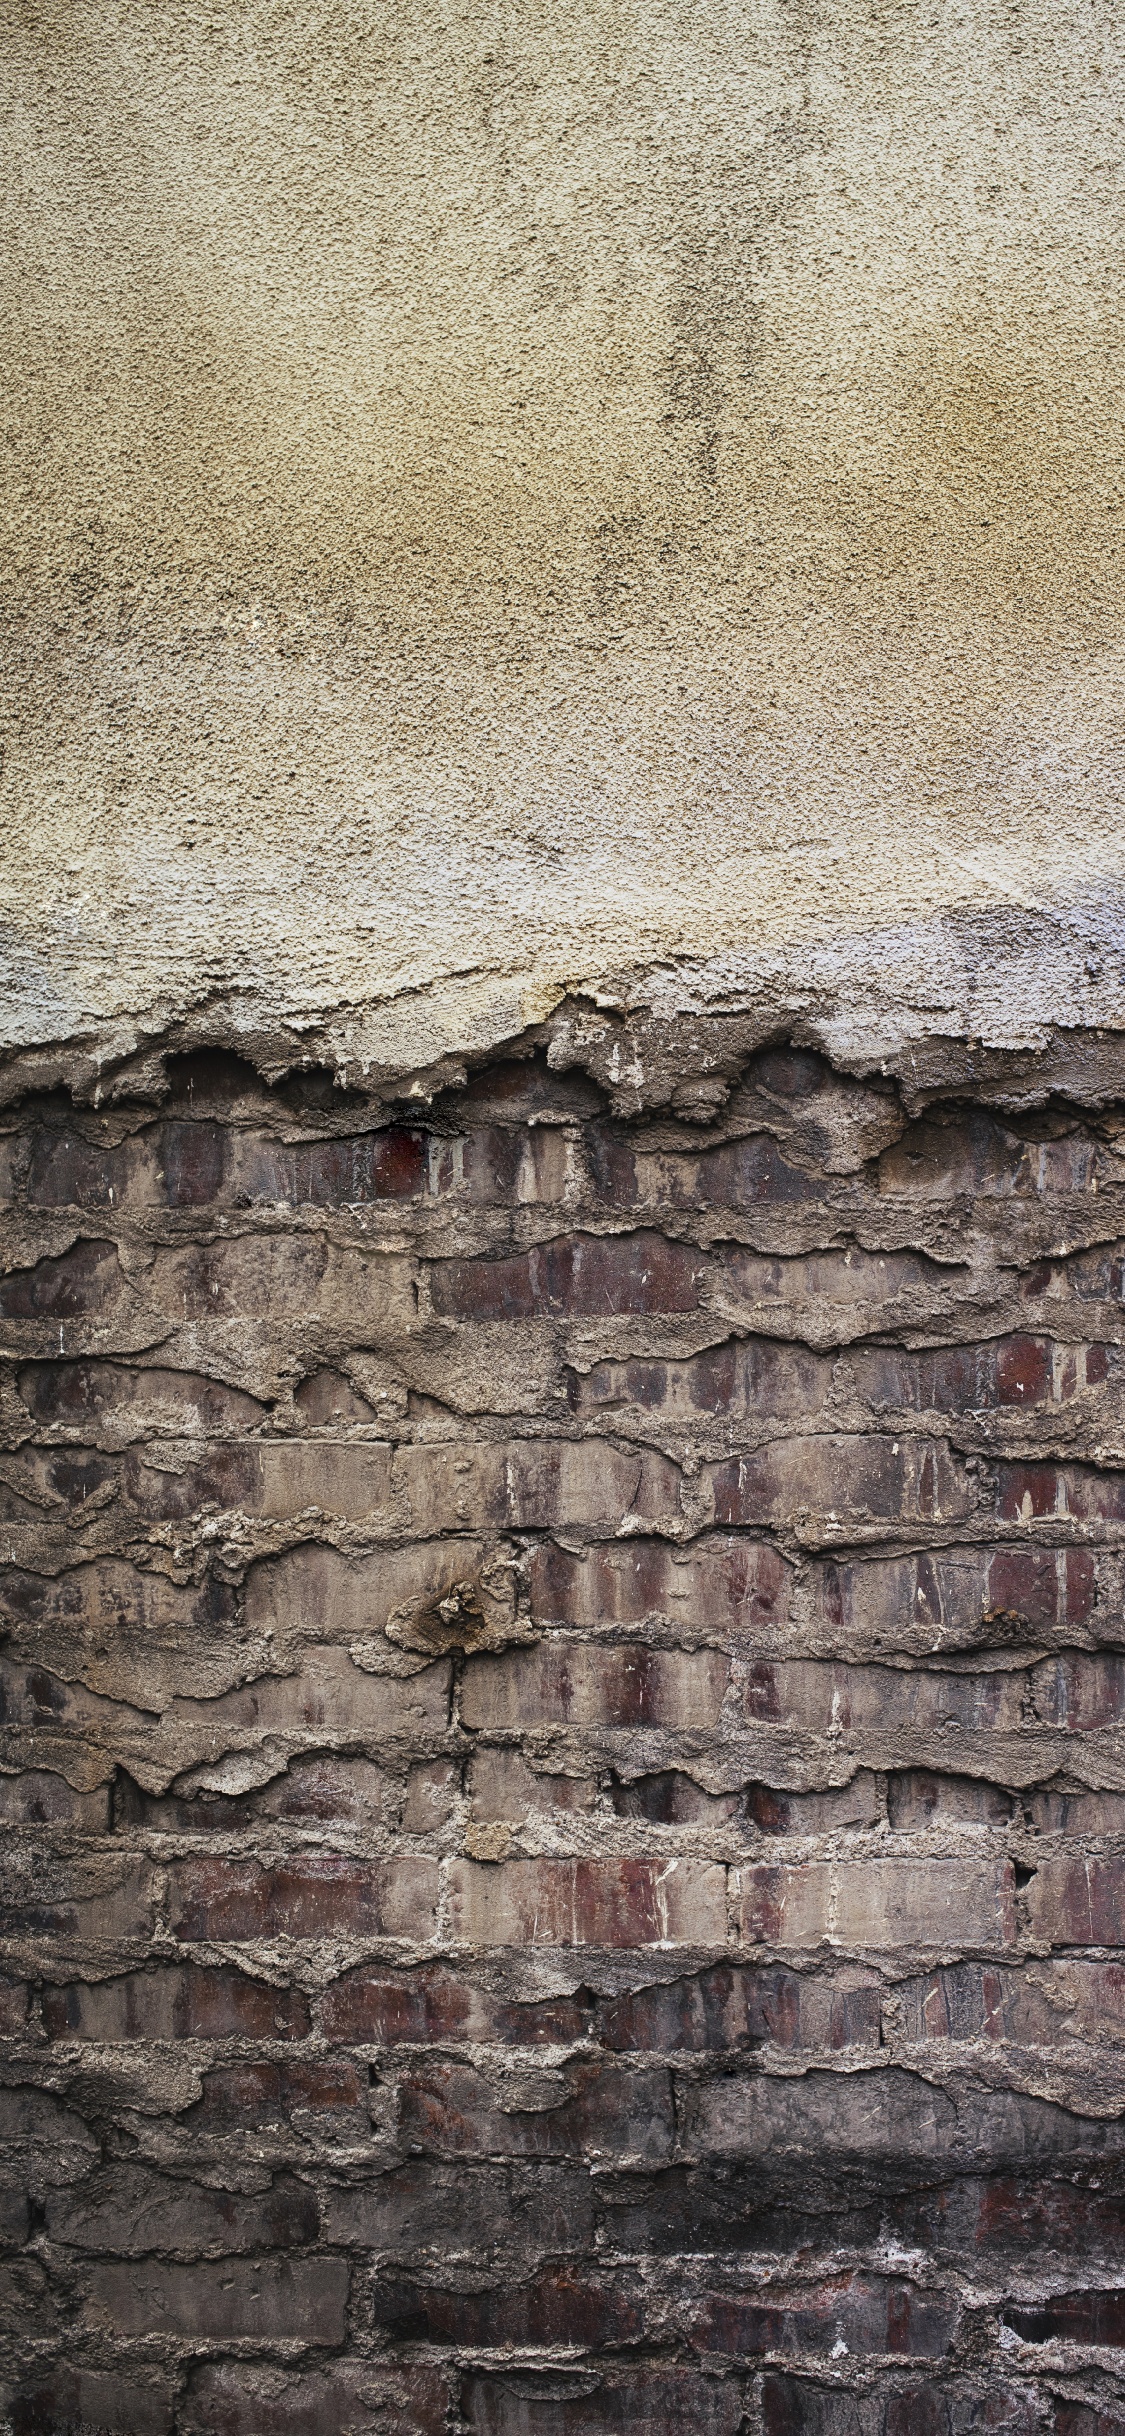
{"x":509,"y":502}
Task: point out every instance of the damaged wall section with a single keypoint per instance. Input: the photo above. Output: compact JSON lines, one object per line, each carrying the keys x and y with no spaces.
{"x":564,"y":1687}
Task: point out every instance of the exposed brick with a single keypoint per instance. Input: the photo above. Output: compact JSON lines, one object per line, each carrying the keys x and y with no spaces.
{"x":1078,"y":1902}
{"x":589,"y":1685}
{"x":1072,"y":2317}
{"x":106,"y":1401}
{"x":425,"y":2208}
{"x":727,"y":1585}
{"x":638,"y":2398}
{"x":735,"y":2007}
{"x":865,"y":2313}
{"x":64,"y":2399}
{"x":744,"y":1378}
{"x":348,"y":2398}
{"x":604,"y":2112}
{"x":888,"y":1480}
{"x":128,"y":2212}
{"x":880,"y":1904}
{"x":1017,"y":1371}
{"x":433,"y":2003}
{"x":86,"y":1279}
{"x":573,"y":1277}
{"x":560,"y":2306}
{"x":589,"y":1903}
{"x":252,"y":2096}
{"x":533,"y":1484}
{"x":327,"y":1896}
{"x":347,"y":1170}
{"x":190,"y":2002}
{"x":298,"y":2301}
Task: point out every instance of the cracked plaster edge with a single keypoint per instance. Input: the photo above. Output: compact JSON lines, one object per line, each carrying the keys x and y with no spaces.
{"x":984,"y":993}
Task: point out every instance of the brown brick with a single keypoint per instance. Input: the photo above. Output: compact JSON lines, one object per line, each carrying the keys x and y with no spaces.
{"x":724,"y":1586}
{"x":302,"y":2300}
{"x":104,"y":1400}
{"x":1012,"y":1371}
{"x":563,"y":2305}
{"x":173,"y":2004}
{"x":1080,"y":1692}
{"x":612,"y":1903}
{"x":534,"y":1484}
{"x":962,"y":1599}
{"x":345,"y":1171}
{"x":84,"y":1280}
{"x":39,"y":1799}
{"x":432,"y":2002}
{"x":317,"y":1896}
{"x":843,"y":1479}
{"x":278,"y":1478}
{"x":879,"y":1904}
{"x":580,"y":1684}
{"x":1029,"y":1492}
{"x":742,"y":1379}
{"x":279,"y":1277}
{"x":813,"y":1695}
{"x":427,"y":2208}
{"x":324,"y":1595}
{"x":920,"y":1797}
{"x":867,"y":2313}
{"x":101,"y":1900}
{"x":573,"y":1277}
{"x":251,"y":2097}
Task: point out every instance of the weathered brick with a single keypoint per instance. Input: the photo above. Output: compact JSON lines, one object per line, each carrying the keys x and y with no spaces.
{"x":744,"y":1378}
{"x":792,"y":2406}
{"x":103,"y":1400}
{"x":249,"y":2097}
{"x":298,"y":2301}
{"x":272,"y":1278}
{"x":129,"y":2211}
{"x":733,"y":2007}
{"x":39,"y":1799}
{"x":425,"y":2208}
{"x":1018,"y":1371}
{"x":856,"y":1804}
{"x":321,"y":1594}
{"x":584,"y":1684}
{"x":603,"y":2400}
{"x":880,"y":1904}
{"x":278,"y":1478}
{"x":188,"y":2002}
{"x":724,"y":1586}
{"x":1030,"y":1492}
{"x":134,"y":1635}
{"x":61,"y":2399}
{"x":589,"y":1902}
{"x":573,"y":1277}
{"x":921,"y":1797}
{"x":347,"y":2398}
{"x":562,"y":2305}
{"x":502,"y":1786}
{"x":345,"y":1170}
{"x":314,"y":1896}
{"x":864,"y":2313}
{"x":960,"y":1599}
{"x":534,"y":1483}
{"x":619,"y":2114}
{"x":1092,"y":2318}
{"x":841,"y":1480}
{"x":433,"y":2003}
{"x":814,"y":1695}
{"x":85,"y":1280}
{"x":1078,"y":1902}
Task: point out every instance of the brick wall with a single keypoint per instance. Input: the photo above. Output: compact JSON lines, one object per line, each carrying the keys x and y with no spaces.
{"x":563,"y":1699}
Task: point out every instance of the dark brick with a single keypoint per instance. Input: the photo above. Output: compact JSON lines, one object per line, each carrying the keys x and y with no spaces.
{"x":573,"y":1277}
{"x":726,"y":1585}
{"x":85,"y":1279}
{"x":560,"y":2306}
{"x":865,"y":2312}
{"x":639,"y":2400}
{"x":300,"y":2300}
{"x":97,"y":1396}
{"x":350,"y":1169}
{"x":733,"y":2007}
{"x":254,"y":2095}
{"x":92,"y":2402}
{"x":604,"y":2112}
{"x":347,"y":2398}
{"x":174,"y":2004}
{"x":1094,"y":2318}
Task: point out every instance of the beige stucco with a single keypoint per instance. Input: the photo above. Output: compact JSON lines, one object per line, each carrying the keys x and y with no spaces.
{"x":502,"y":499}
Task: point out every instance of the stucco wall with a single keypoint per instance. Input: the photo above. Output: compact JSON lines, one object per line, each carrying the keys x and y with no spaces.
{"x":505,"y":499}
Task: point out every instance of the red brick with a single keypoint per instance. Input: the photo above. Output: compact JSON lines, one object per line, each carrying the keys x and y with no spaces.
{"x":174,"y":2004}
{"x":747,"y":1174}
{"x":606,"y":2112}
{"x":579,"y":1684}
{"x":618,"y":1902}
{"x":1028,"y":1492}
{"x":1019,"y":1371}
{"x":879,"y":1904}
{"x":867,"y":2313}
{"x":329,"y":1896}
{"x":1094,"y":2318}
{"x":726,"y":1585}
{"x":791,"y":2406}
{"x":573,"y":1277}
{"x":813,"y":1695}
{"x":300,"y":2300}
{"x":967,"y":1598}
{"x":1080,"y":1692}
{"x":1079,"y":1901}
{"x":349,"y":1169}
{"x":853,"y":1479}
{"x":919,"y":1797}
{"x":380,"y":2006}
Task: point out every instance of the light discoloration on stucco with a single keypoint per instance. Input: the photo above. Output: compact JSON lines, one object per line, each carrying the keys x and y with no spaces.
{"x":501,"y":504}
